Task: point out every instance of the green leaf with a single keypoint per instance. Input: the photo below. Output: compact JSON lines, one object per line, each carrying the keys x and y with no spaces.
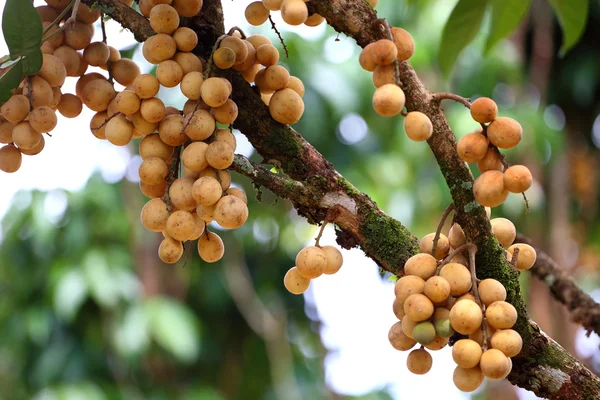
{"x":461,"y":28}
{"x":506,"y":17}
{"x":175,"y":327}
{"x":32,"y":63}
{"x":10,"y":81}
{"x":22,"y":27}
{"x":572,"y":15}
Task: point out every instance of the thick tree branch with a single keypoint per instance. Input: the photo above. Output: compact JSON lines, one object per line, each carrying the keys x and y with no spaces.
{"x":126,"y":16}
{"x":543,"y":366}
{"x":582,"y":308}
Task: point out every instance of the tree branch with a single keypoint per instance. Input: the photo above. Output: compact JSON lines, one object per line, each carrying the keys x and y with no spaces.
{"x":582,"y":308}
{"x":543,"y":366}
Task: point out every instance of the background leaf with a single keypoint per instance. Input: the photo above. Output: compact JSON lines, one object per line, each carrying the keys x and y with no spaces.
{"x":572,"y":15}
{"x":506,"y":17}
{"x":32,"y":62}
{"x":460,"y":29}
{"x":22,"y":27}
{"x":10,"y":81}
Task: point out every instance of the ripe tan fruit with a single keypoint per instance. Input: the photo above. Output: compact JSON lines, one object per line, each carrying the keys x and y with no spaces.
{"x":501,"y":315}
{"x":408,"y":325}
{"x":42,"y":119}
{"x":472,"y":147}
{"x":294,"y":12}
{"x":459,"y":278}
{"x":383,"y":75}
{"x":256,"y":13}
{"x":47,"y":13}
{"x":153,"y":110}
{"x":78,"y":35}
{"x":418,"y":307}
{"x":230,"y":212}
{"x":468,"y":296}
{"x":504,"y":230}
{"x":210,"y":247}
{"x":508,"y":341}
{"x":215,"y":91}
{"x":467,"y":379}
{"x":437,"y":289}
{"x":466,"y":317}
{"x":141,"y":126}
{"x":267,"y":55}
{"x":6,"y":129}
{"x":334,"y":259}
{"x":10,"y":158}
{"x":56,"y":96}
{"x":70,"y":58}
{"x":154,"y":215}
{"x":194,"y":156}
{"x":294,"y":282}
{"x":286,"y":106}
{"x":276,"y":77}
{"x":419,"y":361}
{"x":505,"y":132}
{"x":517,"y":178}
{"x":97,"y":126}
{"x":418,"y":126}
{"x":96,"y":54}
{"x":383,"y":52}
{"x":366,"y":60}
{"x":484,"y":110}
{"x":124,"y":71}
{"x":250,"y":60}
{"x":494,"y":364}
{"x":35,"y":149}
{"x":16,"y":108}
{"x":152,"y":146}
{"x":84,"y":80}
{"x":422,"y":265}
{"x":159,"y":47}
{"x":408,"y":285}
{"x":239,"y":193}
{"x":54,"y":38}
{"x":97,"y":94}
{"x":273,"y":5}
{"x":119,"y":131}
{"x":42,"y":93}
{"x":258,"y":40}
{"x":201,"y":126}
{"x":190,"y":85}
{"x":180,"y":194}
{"x":153,"y":191}
{"x":311,"y":261}
{"x":187,"y":8}
{"x":169,"y":73}
{"x":153,"y":171}
{"x":200,"y":227}
{"x":221,"y":175}
{"x":296,"y":85}
{"x":404,"y":43}
{"x":180,"y":225}
{"x":456,"y":236}
{"x":489,"y":189}
{"x":206,"y":191}
{"x":24,"y":136}
{"x":219,"y":155}
{"x":185,"y":38}
{"x":442,"y":249}
{"x":170,"y":250}
{"x":164,"y":19}
{"x":224,"y":58}
{"x":398,"y":308}
{"x":205,"y":212}
{"x":491,"y":161}
{"x":466,"y":353}
{"x":146,"y":86}
{"x":87,"y":15}
{"x":314,"y":20}
{"x":490,"y":290}
{"x":238,"y":46}
{"x":127,"y":102}
{"x":527,"y":255}
{"x":388,"y":100}
{"x":227,"y":113}
{"x":398,"y":338}
{"x":70,"y":106}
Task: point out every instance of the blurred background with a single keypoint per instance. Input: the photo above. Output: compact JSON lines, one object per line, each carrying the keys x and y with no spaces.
{"x":88,"y":311}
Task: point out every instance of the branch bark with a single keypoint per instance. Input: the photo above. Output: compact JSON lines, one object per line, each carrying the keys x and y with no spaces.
{"x":543,"y":366}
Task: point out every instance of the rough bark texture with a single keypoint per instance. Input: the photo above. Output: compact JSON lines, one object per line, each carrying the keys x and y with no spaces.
{"x":314,"y":187}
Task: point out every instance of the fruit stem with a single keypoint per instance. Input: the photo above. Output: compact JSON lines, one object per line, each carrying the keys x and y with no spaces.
{"x":438,"y":231}
{"x":438,"y":97}
{"x":287,"y":55}
{"x":236,"y":28}
{"x":104,"y":40}
{"x":102,"y":125}
{"x":332,"y":214}
{"x":68,"y":22}
{"x":453,"y":253}
{"x":474,"y":283}
{"x":58,"y":19}
{"x":388,"y":30}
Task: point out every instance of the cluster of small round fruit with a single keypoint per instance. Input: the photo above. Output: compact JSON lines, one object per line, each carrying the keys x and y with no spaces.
{"x":312,"y":262}
{"x":293,"y":12}
{"x":436,"y":299}
{"x":497,"y":179}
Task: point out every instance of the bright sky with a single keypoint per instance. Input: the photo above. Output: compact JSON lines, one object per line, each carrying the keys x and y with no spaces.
{"x":354,"y":306}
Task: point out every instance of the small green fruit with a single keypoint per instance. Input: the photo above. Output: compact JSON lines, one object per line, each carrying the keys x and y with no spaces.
{"x":443,"y":328}
{"x":424,"y":332}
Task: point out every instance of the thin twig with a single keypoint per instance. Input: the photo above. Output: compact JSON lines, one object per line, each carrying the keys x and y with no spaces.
{"x":438,"y":231}
{"x":210,"y":59}
{"x":452,"y":254}
{"x":102,"y":125}
{"x":526,"y":203}
{"x":59,"y":18}
{"x":287,"y":54}
{"x":388,"y":30}
{"x":104,"y":40}
{"x":332,"y":214}
{"x":238,"y":29}
{"x":438,"y":97}
{"x":68,"y":22}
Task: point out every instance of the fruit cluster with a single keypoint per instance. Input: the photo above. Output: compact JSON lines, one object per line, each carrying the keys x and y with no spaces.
{"x":312,"y":262}
{"x":497,"y":179}
{"x":293,"y":12}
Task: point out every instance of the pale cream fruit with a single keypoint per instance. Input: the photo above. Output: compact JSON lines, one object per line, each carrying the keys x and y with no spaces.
{"x":466,"y":353}
{"x":501,"y":315}
{"x":215,"y":91}
{"x":517,"y":179}
{"x":466,"y":317}
{"x":494,"y":364}
{"x":194,"y":156}
{"x":442,"y":249}
{"x":171,"y":132}
{"x":286,"y":106}
{"x":489,"y":190}
{"x":311,"y":261}
{"x":490,"y":290}
{"x":210,"y":247}
{"x":422,"y":265}
{"x":408,"y":285}
{"x":418,"y":307}
{"x":404,"y":43}
{"x":418,"y":126}
{"x":256,"y":13}
{"x":334,"y":259}
{"x":456,"y":236}
{"x":508,"y":341}
{"x":527,"y":255}
{"x":294,"y":12}
{"x":180,"y":225}
{"x":191,"y":84}
{"x":219,"y":155}
{"x":459,"y":278}
{"x":180,"y":194}
{"x":504,"y":230}
{"x":388,"y":100}
{"x":170,"y":250}
{"x":294,"y":282}
{"x":230,"y":212}
{"x":152,"y":146}
{"x":153,"y":171}
{"x":207,"y":191}
{"x":467,"y":379}
{"x":154,"y":215}
{"x":239,"y":193}
{"x":505,"y":132}
{"x":437,"y":289}
{"x":201,"y":125}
